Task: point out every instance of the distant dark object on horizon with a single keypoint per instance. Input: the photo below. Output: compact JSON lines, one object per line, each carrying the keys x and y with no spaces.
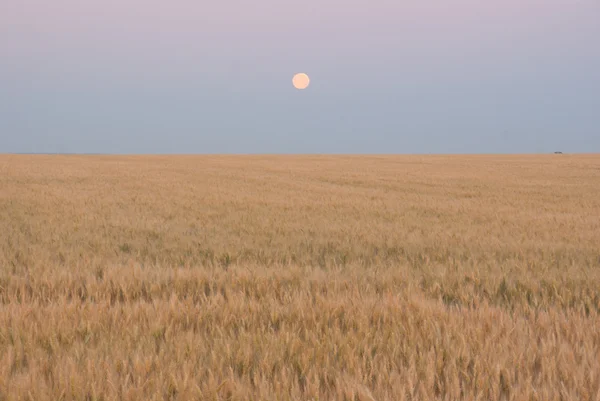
{"x":558,"y":153}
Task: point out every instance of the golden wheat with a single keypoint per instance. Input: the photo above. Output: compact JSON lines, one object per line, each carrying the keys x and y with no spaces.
{"x":300,"y":277}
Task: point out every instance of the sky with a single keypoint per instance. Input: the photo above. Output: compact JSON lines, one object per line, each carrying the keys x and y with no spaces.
{"x":215,"y":76}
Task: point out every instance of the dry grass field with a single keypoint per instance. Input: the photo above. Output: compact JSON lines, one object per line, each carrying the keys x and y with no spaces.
{"x":300,"y":277}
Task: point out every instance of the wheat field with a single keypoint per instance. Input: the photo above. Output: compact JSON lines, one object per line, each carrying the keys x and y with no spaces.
{"x":300,"y":277}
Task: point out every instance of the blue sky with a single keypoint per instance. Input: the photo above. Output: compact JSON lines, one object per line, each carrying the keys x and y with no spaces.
{"x":134,"y":76}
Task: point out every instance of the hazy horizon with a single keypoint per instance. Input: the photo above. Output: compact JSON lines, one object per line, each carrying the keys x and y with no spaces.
{"x":387,"y":77}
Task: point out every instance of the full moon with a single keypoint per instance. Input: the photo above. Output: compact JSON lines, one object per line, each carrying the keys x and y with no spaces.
{"x":301,"y":81}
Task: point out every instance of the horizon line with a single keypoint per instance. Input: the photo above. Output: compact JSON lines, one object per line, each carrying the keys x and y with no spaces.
{"x":292,"y":154}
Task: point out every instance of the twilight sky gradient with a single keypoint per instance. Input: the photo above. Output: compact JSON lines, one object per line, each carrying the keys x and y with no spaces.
{"x":387,"y":76}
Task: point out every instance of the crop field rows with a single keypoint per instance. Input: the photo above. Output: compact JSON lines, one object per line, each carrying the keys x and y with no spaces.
{"x":300,"y":277}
